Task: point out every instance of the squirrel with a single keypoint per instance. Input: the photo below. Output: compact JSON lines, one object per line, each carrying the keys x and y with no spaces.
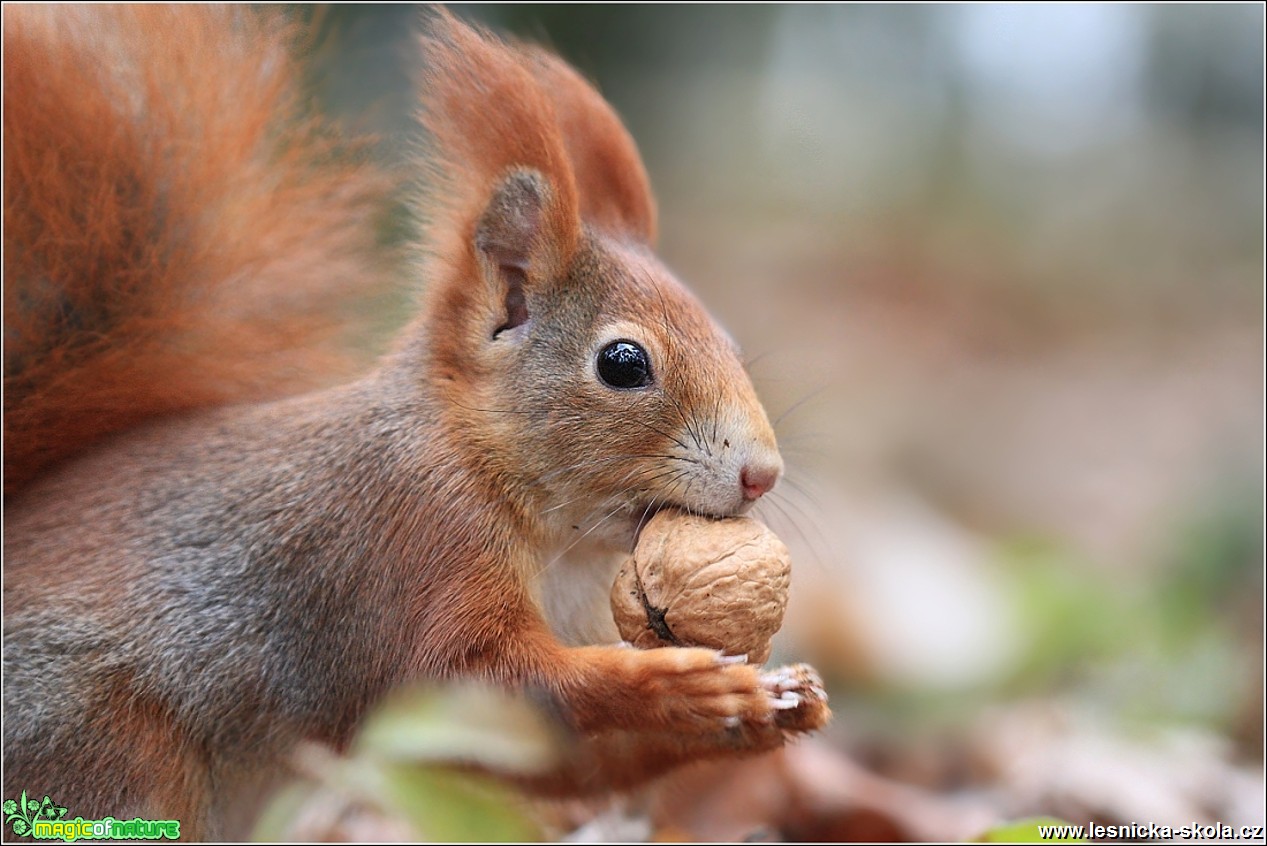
{"x":209,"y":559}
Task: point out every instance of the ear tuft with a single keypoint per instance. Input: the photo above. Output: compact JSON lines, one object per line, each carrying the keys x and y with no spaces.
{"x":612,"y":183}
{"x":488,"y":117}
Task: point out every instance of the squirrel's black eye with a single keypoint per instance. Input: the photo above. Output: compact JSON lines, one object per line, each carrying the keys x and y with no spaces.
{"x":624,"y":364}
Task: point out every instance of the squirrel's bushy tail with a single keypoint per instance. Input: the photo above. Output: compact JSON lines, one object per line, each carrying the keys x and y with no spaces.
{"x":176,"y":230}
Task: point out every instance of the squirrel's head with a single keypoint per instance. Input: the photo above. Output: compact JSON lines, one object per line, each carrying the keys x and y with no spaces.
{"x":574,"y":363}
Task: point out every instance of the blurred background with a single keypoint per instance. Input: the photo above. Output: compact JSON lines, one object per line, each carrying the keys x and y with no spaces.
{"x":999,"y":272}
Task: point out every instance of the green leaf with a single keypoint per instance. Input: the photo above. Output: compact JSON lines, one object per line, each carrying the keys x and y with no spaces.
{"x":437,"y":804}
{"x":1026,"y":831}
{"x":467,"y":724}
{"x":412,"y":764}
{"x":446,"y":806}
{"x":274,"y":825}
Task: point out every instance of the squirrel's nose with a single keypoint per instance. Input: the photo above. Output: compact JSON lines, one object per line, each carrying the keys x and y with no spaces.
{"x":757,"y":479}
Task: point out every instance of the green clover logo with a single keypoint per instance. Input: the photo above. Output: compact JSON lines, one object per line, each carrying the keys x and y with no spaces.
{"x":22,"y":813}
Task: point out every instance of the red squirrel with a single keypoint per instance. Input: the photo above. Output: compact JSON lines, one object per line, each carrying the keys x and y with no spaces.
{"x":204,"y":565}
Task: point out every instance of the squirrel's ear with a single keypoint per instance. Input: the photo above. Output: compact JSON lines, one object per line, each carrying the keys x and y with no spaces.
{"x":515,"y":242}
{"x":504,"y":192}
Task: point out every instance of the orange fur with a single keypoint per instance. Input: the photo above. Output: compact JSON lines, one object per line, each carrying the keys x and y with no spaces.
{"x":533,"y":111}
{"x":477,"y":140}
{"x":177,"y":232}
{"x":615,"y":193}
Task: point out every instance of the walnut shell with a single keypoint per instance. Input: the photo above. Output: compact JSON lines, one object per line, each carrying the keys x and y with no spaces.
{"x":698,"y":581}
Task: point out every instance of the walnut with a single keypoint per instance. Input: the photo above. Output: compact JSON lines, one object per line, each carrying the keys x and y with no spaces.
{"x":698,"y":581}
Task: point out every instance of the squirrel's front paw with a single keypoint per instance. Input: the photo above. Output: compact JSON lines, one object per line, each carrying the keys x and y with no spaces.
{"x":800,"y":705}
{"x":802,"y":700}
{"x":694,"y":691}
